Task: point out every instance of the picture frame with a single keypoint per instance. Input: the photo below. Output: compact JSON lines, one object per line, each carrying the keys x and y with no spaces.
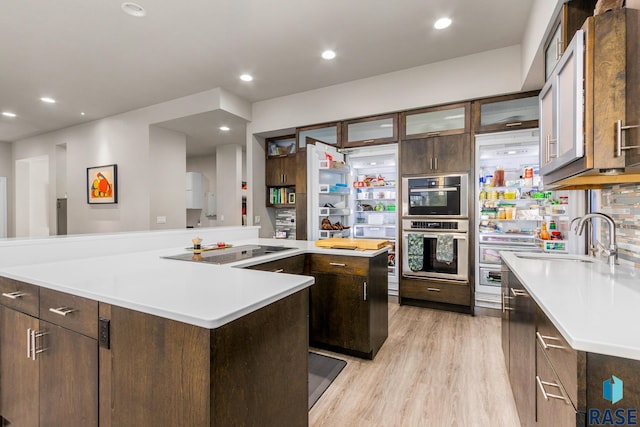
{"x":102,"y":184}
{"x":292,"y":198}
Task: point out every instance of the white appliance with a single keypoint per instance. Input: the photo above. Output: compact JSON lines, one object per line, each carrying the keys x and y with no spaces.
{"x":509,"y":217}
{"x":374,"y":198}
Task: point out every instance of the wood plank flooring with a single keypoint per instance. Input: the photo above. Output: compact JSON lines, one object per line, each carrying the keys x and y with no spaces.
{"x":435,"y":369}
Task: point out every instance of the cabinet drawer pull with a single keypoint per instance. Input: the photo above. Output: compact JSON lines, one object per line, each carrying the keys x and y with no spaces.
{"x":28,"y":343}
{"x":504,"y":303}
{"x":338,"y":264}
{"x":546,"y":395}
{"x":559,"y":48}
{"x":519,"y":293}
{"x":279,"y":270}
{"x":34,"y":348}
{"x":545,"y":345}
{"x":431,"y":163}
{"x":62,"y":311}
{"x":433,"y":289}
{"x":619,"y":129}
{"x":433,"y":133}
{"x":513,"y":124}
{"x":14,"y":295}
{"x":435,"y":161}
{"x":364,"y":291}
{"x":368,"y":140}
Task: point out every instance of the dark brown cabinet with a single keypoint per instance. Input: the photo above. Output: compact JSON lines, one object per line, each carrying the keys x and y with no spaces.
{"x":611,"y":84}
{"x":507,"y":112}
{"x":57,"y":382}
{"x":251,"y":371}
{"x":348,"y":303}
{"x":553,"y":407}
{"x":521,"y":345}
{"x":280,"y":171}
{"x":370,"y":131}
{"x":436,"y":154}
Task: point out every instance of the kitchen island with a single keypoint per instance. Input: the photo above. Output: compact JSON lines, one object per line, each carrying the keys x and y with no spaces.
{"x":570,"y":338}
{"x":165,"y":342}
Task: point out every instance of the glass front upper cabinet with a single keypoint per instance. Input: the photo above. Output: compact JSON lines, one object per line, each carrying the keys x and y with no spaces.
{"x":517,"y":111}
{"x":370,"y":131}
{"x":328,"y":133}
{"x":436,"y":121}
{"x":282,"y":146}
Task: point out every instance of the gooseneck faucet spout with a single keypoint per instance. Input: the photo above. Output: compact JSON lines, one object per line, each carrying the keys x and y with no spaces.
{"x":612,"y":249}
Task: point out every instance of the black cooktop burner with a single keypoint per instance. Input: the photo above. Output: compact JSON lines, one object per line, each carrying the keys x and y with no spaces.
{"x":228,"y":255}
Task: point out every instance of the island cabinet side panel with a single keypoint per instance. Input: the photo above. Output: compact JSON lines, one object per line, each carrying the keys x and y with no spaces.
{"x":622,"y":392}
{"x":260,"y":366}
{"x":156,"y":372}
{"x":379,"y":291}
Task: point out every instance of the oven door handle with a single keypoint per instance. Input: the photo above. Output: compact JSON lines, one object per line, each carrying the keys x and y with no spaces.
{"x":434,"y":234}
{"x":422,"y":190}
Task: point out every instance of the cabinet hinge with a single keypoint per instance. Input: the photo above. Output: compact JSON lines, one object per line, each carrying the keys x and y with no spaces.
{"x":104,"y":333}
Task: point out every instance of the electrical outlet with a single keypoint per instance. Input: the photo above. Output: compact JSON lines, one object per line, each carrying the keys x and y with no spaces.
{"x":221,"y":217}
{"x":256,"y":219}
{"x":161,"y":220}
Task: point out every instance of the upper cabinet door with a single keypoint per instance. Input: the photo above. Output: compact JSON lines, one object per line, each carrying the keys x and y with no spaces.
{"x":562,"y":107}
{"x":370,"y":131}
{"x":517,"y":111}
{"x":437,"y":121}
{"x":328,"y":133}
{"x":553,"y":50}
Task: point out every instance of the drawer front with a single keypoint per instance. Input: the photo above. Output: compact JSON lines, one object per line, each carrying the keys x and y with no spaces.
{"x":340,"y":264}
{"x":19,"y":296}
{"x":563,"y":358}
{"x":553,"y":407}
{"x":292,"y":265}
{"x":449,"y":293}
{"x":69,"y":311}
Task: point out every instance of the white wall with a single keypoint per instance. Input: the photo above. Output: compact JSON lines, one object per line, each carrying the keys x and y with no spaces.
{"x":206,"y":165}
{"x":33,"y":187}
{"x":166,"y":178}
{"x":124,"y":140}
{"x":229,"y":184}
{"x":6,"y":170}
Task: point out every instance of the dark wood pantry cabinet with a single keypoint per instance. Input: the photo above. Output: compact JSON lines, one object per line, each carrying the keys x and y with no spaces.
{"x":437,"y":154}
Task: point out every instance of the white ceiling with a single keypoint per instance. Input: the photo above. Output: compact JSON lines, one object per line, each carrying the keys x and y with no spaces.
{"x":92,"y":57}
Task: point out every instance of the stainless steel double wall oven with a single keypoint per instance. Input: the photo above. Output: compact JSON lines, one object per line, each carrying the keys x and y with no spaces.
{"x":435,"y":208}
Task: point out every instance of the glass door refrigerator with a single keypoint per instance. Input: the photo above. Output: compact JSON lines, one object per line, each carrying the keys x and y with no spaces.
{"x":374,"y":198}
{"x":513,"y":212}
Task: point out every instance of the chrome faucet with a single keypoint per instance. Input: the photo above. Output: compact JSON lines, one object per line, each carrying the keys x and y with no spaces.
{"x":612,"y":250}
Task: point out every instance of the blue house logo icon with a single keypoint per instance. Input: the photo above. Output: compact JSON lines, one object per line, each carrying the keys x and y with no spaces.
{"x":612,"y":389}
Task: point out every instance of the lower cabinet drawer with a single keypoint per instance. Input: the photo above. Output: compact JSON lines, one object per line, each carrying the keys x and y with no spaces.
{"x":358,"y":266}
{"x":20,"y":296}
{"x":563,"y":358}
{"x":450,"y":293}
{"x":292,"y":265}
{"x":553,"y":406}
{"x":69,"y":311}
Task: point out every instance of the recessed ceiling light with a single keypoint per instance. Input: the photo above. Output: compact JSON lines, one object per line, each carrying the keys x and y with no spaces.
{"x":442,"y":23}
{"x":48,"y":100}
{"x":328,"y":54}
{"x":224,"y":128}
{"x":133,"y":9}
{"x":246,"y":77}
{"x":82,"y":113}
{"x":8,"y":114}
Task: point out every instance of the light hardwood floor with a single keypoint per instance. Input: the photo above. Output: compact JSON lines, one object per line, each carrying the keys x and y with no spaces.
{"x":436,"y":369}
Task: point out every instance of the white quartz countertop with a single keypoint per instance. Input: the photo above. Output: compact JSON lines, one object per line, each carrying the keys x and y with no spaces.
{"x":594,"y":308}
{"x":202,"y":294}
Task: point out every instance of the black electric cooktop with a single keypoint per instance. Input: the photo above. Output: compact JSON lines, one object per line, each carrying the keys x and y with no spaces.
{"x":228,"y":255}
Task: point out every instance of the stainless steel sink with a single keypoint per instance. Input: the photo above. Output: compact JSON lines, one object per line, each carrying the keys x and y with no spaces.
{"x":555,"y":257}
